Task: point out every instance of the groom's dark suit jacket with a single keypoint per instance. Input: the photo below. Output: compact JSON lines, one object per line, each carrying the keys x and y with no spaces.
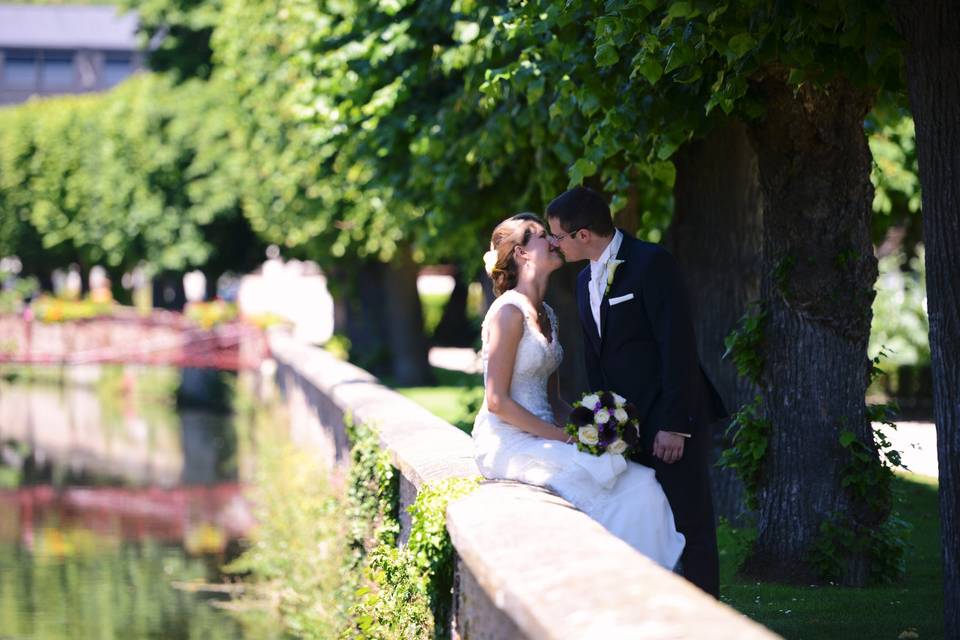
{"x":646,"y":351}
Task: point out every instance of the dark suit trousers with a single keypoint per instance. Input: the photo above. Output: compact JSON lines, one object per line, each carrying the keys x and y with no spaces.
{"x":687,"y":485}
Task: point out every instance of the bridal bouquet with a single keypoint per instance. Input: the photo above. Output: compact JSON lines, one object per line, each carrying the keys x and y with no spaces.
{"x":603,"y":421}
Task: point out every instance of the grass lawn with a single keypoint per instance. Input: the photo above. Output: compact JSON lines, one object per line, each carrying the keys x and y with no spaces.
{"x":912,"y":608}
{"x":432,"y":305}
{"x":456,"y":398}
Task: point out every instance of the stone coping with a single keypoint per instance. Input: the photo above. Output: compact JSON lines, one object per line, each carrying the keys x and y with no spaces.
{"x":558,"y":574}
{"x":521,"y":543}
{"x":423,"y":447}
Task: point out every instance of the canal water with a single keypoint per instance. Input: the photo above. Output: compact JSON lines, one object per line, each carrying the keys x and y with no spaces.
{"x":121,"y":496}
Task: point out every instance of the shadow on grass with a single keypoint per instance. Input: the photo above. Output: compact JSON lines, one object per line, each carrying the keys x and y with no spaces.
{"x":911,"y":608}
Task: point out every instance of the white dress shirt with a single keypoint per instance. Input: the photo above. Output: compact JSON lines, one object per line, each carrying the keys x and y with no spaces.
{"x":598,"y":275}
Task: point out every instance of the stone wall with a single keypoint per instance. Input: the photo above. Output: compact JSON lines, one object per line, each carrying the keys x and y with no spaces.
{"x":529,"y":565}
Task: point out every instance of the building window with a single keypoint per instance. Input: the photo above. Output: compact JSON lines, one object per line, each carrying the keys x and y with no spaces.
{"x":20,"y":70}
{"x":116,"y":67}
{"x":57,"y":71}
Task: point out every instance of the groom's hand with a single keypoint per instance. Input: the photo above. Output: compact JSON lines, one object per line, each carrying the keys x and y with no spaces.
{"x":668,"y":446}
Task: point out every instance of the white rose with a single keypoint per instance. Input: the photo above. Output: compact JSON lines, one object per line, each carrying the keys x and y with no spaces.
{"x":602,"y":416}
{"x":617,"y":446}
{"x":618,"y":399}
{"x":588,"y":435}
{"x":621,"y":416}
{"x":590,"y":401}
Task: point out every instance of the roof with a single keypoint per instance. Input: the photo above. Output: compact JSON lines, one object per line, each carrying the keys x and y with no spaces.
{"x":67,"y":27}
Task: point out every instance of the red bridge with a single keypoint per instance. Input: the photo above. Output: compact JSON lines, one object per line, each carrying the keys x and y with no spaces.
{"x":203,"y":518}
{"x":162,"y":338}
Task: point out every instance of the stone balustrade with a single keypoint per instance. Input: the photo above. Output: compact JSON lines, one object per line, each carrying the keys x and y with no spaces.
{"x":529,"y":565}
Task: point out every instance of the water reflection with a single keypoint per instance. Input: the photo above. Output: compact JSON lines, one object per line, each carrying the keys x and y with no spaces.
{"x":200,"y":519}
{"x":108,"y":497}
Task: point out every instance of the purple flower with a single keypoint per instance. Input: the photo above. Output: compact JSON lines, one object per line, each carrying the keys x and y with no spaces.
{"x":581,"y":416}
{"x":631,"y":434}
{"x":607,"y":400}
{"x":608,"y":433}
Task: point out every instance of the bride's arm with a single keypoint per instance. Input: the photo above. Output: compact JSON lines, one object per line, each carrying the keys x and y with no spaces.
{"x":561,"y":409}
{"x":503,"y":338}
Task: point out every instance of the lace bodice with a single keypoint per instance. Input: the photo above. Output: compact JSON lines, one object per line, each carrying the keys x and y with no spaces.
{"x":537,"y":358}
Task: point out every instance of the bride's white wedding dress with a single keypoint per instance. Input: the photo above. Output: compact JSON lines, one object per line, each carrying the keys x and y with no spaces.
{"x":623,"y":496}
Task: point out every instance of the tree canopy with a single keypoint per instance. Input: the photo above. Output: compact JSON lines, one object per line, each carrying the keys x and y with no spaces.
{"x":137,"y":174}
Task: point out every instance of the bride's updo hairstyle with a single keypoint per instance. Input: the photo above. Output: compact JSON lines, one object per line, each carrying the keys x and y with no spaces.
{"x":513,"y":232}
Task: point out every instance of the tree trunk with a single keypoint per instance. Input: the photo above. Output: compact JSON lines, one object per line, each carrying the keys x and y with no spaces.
{"x":932,"y":34}
{"x":817,"y":289}
{"x":716,"y":234}
{"x":408,"y":344}
{"x":362,"y":314}
{"x":454,"y":328}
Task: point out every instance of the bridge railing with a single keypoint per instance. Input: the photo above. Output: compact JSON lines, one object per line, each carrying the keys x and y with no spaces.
{"x":161,"y":338}
{"x":528,"y":564}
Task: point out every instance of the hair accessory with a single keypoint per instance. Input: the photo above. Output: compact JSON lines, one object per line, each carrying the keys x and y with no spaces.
{"x":490,"y":261}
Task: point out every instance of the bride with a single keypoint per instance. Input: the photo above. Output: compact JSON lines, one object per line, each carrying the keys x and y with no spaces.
{"x":517,"y":433}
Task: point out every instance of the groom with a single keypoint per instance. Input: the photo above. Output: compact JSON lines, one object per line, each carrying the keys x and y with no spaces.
{"x":640,"y":343}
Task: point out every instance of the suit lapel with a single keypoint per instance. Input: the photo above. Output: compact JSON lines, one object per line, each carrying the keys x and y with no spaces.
{"x":605,"y":302}
{"x":586,"y":317}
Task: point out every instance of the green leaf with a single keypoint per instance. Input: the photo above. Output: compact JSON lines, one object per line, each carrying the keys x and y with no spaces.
{"x":677,"y":56}
{"x":679,"y":10}
{"x":796,"y":77}
{"x":665,"y":149}
{"x":847,"y":438}
{"x":535,"y":89}
{"x":606,"y":55}
{"x":650,"y":69}
{"x":664,"y":172}
{"x":582,"y":168}
{"x":692,"y":75}
{"x":741,"y":44}
{"x":716,"y":13}
{"x":589,"y":102}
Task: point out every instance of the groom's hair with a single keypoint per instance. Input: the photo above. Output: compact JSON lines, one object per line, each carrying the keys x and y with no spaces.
{"x":581,"y":208}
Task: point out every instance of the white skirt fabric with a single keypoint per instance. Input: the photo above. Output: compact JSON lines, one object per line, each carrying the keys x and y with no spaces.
{"x":623,"y":496}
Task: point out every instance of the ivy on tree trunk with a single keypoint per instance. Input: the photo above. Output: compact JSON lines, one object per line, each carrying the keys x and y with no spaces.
{"x":817,"y":290}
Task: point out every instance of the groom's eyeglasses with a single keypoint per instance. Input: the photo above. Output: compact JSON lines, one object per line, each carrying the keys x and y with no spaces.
{"x":562,"y":236}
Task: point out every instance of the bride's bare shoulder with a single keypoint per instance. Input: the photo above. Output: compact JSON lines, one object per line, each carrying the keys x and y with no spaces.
{"x":508,"y":316}
{"x":505,"y":319}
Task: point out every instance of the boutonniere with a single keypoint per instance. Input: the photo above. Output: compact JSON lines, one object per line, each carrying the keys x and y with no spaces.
{"x":611,"y":270}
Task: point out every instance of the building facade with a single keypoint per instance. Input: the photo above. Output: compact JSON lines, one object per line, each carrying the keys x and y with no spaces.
{"x":57,"y":49}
